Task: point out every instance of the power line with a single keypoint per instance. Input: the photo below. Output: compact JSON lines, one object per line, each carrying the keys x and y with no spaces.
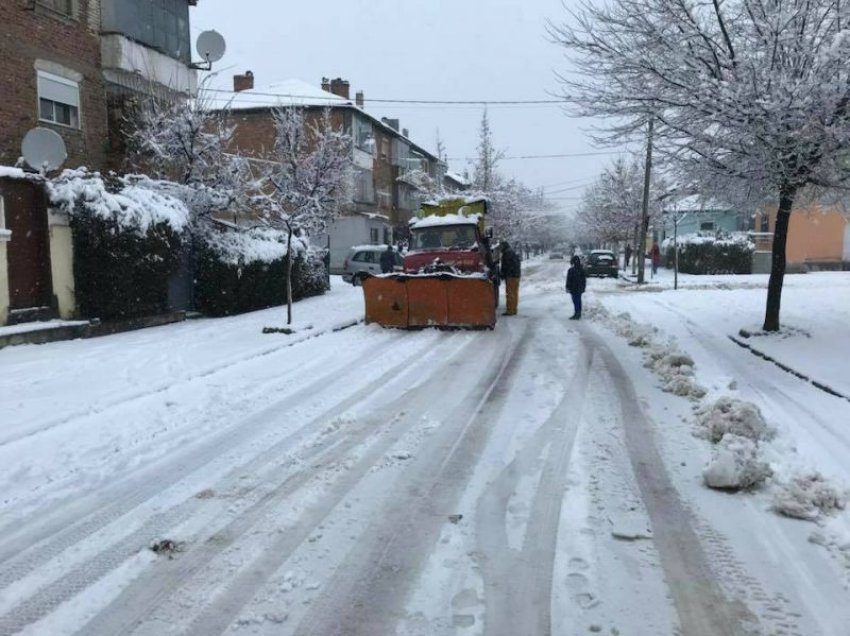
{"x":475,"y":102}
{"x":556,"y":156}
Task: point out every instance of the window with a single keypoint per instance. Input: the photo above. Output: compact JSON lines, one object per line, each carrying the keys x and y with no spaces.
{"x":62,"y":7}
{"x":363,"y":137}
{"x":707,"y":226}
{"x":373,"y":235}
{"x":764,"y":223}
{"x":58,"y":100}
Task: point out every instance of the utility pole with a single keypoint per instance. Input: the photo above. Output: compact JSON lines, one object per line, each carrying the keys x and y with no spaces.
{"x":676,"y":249}
{"x":644,"y":212}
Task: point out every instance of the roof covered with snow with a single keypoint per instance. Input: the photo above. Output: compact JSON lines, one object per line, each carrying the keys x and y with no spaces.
{"x":448,"y":219}
{"x":297,"y":92}
{"x":8,"y":172}
{"x":457,"y":178}
{"x":286,"y":93}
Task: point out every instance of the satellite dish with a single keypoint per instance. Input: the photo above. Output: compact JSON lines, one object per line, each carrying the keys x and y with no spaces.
{"x":43,"y":149}
{"x":210,"y":46}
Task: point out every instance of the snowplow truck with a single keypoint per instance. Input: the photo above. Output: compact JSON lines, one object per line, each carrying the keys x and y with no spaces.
{"x":450,"y":276}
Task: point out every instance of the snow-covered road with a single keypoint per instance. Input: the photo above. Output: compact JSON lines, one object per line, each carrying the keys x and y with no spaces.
{"x":352,"y":480}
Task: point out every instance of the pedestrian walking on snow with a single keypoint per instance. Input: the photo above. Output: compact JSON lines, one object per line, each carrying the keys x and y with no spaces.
{"x":511,"y":272}
{"x":627,"y":256}
{"x":387,"y":260}
{"x":655,"y":257}
{"x":576,"y":283}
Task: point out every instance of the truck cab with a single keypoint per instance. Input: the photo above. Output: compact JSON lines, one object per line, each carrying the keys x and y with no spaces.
{"x":451,"y":236}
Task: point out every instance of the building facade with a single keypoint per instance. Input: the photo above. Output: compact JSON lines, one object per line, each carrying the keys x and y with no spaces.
{"x":69,"y":65}
{"x":391,"y":172}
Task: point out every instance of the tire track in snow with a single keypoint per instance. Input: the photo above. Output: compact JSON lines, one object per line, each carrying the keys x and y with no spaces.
{"x":518,"y":584}
{"x":367,"y":594}
{"x":702,"y":606}
{"x":210,"y":371}
{"x":147,"y":597}
{"x":23,"y":557}
{"x":96,"y":511}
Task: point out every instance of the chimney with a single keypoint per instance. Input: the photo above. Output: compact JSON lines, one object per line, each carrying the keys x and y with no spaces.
{"x":243,"y":82}
{"x":359,"y":98}
{"x":392,"y":123}
{"x":340,"y":87}
{"x":326,"y":85}
{"x":404,"y":132}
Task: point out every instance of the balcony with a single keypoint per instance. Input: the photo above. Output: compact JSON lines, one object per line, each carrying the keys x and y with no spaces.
{"x":139,"y":68}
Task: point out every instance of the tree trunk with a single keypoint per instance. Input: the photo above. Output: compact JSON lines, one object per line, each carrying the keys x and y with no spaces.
{"x":289,"y":276}
{"x":777,"y":270}
{"x":644,"y":207}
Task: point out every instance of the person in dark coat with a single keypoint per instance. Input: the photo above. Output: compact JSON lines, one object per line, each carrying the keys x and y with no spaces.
{"x":627,"y":253}
{"x":387,"y":260}
{"x":511,"y":272}
{"x":576,"y":283}
{"x":655,"y":256}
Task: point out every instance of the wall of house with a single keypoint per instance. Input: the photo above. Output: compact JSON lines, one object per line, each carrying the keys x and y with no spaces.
{"x":726,"y":221}
{"x":38,"y":39}
{"x":815,"y":236}
{"x":846,"y":256}
{"x":385,"y":173}
{"x":4,"y":283}
{"x":62,"y":264}
{"x":347,"y":231}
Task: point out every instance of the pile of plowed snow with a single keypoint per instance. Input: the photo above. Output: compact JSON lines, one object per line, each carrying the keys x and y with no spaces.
{"x":740,"y":437}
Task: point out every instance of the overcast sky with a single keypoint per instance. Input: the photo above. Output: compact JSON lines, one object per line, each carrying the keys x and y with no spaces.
{"x":423,"y":49}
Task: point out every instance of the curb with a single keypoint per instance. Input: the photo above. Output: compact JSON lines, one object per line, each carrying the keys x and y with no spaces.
{"x":802,"y":376}
{"x":93,"y":329}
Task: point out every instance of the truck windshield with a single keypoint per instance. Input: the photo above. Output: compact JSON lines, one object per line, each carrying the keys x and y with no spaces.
{"x":443,"y":237}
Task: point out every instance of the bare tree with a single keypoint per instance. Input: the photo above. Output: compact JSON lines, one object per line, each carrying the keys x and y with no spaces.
{"x":310,"y":177}
{"x":485,"y":176}
{"x":610,"y":208}
{"x":747,"y":95}
{"x":186,"y":141}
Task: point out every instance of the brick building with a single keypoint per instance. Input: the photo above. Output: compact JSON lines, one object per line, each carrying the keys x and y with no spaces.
{"x":50,"y":70}
{"x":69,"y":65}
{"x":390,"y":169}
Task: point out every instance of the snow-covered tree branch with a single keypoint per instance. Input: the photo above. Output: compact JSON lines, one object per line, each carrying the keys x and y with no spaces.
{"x":186,"y":142}
{"x":309,"y":176}
{"x":748,"y":95}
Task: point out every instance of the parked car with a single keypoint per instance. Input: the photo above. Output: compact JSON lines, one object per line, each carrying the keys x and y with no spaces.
{"x":366,"y":259}
{"x":556,"y":255}
{"x":602,"y":263}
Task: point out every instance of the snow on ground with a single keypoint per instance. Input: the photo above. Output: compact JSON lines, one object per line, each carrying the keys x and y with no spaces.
{"x":155,"y":380}
{"x":808,"y":454}
{"x":543,"y":477}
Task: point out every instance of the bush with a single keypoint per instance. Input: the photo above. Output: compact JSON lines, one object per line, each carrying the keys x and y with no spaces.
{"x":224,"y":287}
{"x":120,"y":274}
{"x":723,"y":254}
{"x":309,"y":275}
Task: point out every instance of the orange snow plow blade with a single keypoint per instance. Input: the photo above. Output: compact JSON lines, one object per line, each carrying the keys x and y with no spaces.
{"x":440,"y":300}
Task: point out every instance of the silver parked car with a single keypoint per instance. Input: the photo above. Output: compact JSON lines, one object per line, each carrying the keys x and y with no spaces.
{"x":366,"y":258}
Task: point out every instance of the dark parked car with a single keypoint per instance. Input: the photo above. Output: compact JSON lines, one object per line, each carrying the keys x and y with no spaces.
{"x":602,"y":263}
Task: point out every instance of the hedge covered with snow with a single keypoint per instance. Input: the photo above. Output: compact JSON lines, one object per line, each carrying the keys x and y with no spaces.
{"x":126,"y":238}
{"x":128,"y":233}
{"x":717,"y":254}
{"x":239,"y":271}
{"x":119,"y":274}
